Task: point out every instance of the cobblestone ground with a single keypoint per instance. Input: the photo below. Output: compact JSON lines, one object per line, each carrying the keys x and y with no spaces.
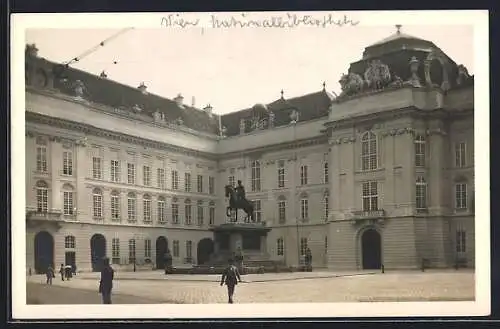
{"x":286,"y":287}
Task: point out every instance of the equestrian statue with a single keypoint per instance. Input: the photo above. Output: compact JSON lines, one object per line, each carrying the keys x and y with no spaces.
{"x":237,"y":201}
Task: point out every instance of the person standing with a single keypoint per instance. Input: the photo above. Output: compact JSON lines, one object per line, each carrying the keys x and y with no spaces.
{"x":61,"y":270}
{"x":50,"y":275}
{"x":106,"y":283}
{"x":230,"y":277}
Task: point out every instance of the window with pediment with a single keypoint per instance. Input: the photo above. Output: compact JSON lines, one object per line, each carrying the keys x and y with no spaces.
{"x":146,"y":205}
{"x":42,"y":197}
{"x":115,"y":206}
{"x":368,"y":151}
{"x":68,"y":200}
{"x":131,"y":207}
{"x":97,"y":212}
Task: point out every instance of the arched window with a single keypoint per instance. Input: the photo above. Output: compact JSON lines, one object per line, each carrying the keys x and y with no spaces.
{"x":369,"y":151}
{"x":161,"y":210}
{"x":188,"y":211}
{"x":420,"y":151}
{"x":69,"y":242}
{"x":280,"y":247}
{"x":68,"y":200}
{"x":421,"y":194}
{"x":42,"y":197}
{"x":97,"y":203}
{"x":281,"y":209}
{"x":131,"y":206}
{"x":255,"y":175}
{"x":115,"y":206}
{"x":146,"y":202}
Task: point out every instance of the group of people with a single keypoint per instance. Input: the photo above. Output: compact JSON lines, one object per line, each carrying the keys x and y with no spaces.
{"x":66,"y":272}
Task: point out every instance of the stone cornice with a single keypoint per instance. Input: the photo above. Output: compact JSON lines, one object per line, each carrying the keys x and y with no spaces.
{"x":98,"y":132}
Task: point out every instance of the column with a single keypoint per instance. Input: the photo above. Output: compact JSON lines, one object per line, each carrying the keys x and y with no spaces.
{"x":55,"y":159}
{"x":435,"y":173}
{"x":335,"y":204}
{"x":390,"y":168}
{"x":81,"y":169}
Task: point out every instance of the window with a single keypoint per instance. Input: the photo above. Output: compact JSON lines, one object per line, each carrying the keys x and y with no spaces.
{"x":255,"y":176}
{"x":175,"y":247}
{"x":69,"y":242}
{"x":175,"y":180}
{"x":281,"y":174}
{"x":282,"y":211}
{"x":325,"y":172}
{"x":211,"y":214}
{"x":326,"y":244}
{"x":187,"y":182}
{"x":303,"y":175}
{"x":161,"y":210}
{"x":97,"y":168}
{"x":421,"y":194}
{"x":42,"y":197}
{"x":200,"y":213}
{"x":257,"y":210}
{"x":460,"y":155}
{"x":231,"y":181}
{"x":370,"y":196}
{"x":41,"y":158}
{"x":161,"y":178}
{"x":131,"y":207}
{"x":146,"y":202}
{"x":97,"y":203}
{"x":187,"y":211}
{"x":175,"y":212}
{"x":303,"y":246}
{"x":304,"y":209}
{"x":146,"y":175}
{"x":115,"y":171}
{"x":280,"y":247}
{"x":420,"y":151}
{"x":115,"y":206}
{"x":326,"y":206}
{"x":199,"y":183}
{"x":211,"y":185}
{"x":189,"y":249}
{"x":461,"y":241}
{"x":461,"y":196}
{"x":369,"y":151}
{"x":115,"y":251}
{"x":131,"y":251}
{"x":147,"y":248}
{"x":68,"y":200}
{"x":68,"y":163}
{"x":131,"y":173}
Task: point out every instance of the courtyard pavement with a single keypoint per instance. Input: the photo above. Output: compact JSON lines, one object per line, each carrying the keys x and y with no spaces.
{"x":321,"y":286}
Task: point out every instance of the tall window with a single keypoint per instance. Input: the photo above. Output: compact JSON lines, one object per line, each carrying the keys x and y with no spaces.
{"x":42,"y":197}
{"x":115,"y":171}
{"x":146,"y":175}
{"x":211,"y":185}
{"x":368,"y":151}
{"x":460,"y":157}
{"x":189,"y":250}
{"x":280,"y":247}
{"x":304,"y":209}
{"x":231,"y":181}
{"x":461,"y":239}
{"x":420,"y":151}
{"x":115,"y":206}
{"x":175,"y":180}
{"x":161,"y":210}
{"x":281,"y":174}
{"x":326,"y":206}
{"x":282,"y":211}
{"x":211,"y":213}
{"x":41,"y":158}
{"x":161,"y":178}
{"x":370,"y":196}
{"x":187,"y":211}
{"x":303,"y":246}
{"x":97,"y":168}
{"x":131,"y":173}
{"x":131,"y":251}
{"x":257,"y":210}
{"x":68,"y":163}
{"x":187,"y":182}
{"x":199,"y":184}
{"x":147,"y":248}
{"x":421,"y":194}
{"x":175,"y":212}
{"x":115,"y":251}
{"x":461,"y":196}
{"x":146,"y":203}
{"x":97,"y":203}
{"x":200,"y":213}
{"x":325,"y":172}
{"x":255,"y":175}
{"x":68,"y":200}
{"x":69,"y":242}
{"x":131,"y":206}
{"x":175,"y":247}
{"x":303,"y":175}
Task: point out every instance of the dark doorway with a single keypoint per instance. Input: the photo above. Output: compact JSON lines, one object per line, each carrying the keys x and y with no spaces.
{"x":204,"y":250}
{"x":97,"y":251}
{"x":161,"y":249}
{"x":371,"y":246}
{"x":44,"y":251}
{"x":70,"y":258}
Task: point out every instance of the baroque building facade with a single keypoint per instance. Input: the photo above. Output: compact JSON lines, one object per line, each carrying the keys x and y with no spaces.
{"x":382,"y":174}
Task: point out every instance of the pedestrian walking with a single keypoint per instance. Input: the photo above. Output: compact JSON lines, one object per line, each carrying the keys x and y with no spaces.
{"x":61,"y":270}
{"x":106,"y":283}
{"x":50,"y":275}
{"x":230,"y":277}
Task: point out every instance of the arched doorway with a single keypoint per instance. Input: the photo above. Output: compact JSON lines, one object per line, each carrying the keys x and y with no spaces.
{"x":161,"y":249}
{"x":44,"y":251}
{"x":97,"y":251}
{"x":204,"y":250}
{"x":371,"y":246}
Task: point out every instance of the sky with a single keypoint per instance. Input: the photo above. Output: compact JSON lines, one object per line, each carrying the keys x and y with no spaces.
{"x":233,"y":69}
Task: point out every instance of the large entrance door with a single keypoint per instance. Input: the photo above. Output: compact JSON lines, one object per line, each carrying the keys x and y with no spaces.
{"x":161,"y":249}
{"x":97,"y":251}
{"x":44,"y":251}
{"x":371,"y":246}
{"x":204,"y":250}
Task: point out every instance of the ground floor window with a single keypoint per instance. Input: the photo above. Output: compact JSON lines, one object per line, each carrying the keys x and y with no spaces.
{"x":303,"y":246}
{"x":461,"y":241}
{"x":175,"y":247}
{"x":115,"y":251}
{"x":131,"y":251}
{"x":147,"y":248}
{"x":280,"y":248}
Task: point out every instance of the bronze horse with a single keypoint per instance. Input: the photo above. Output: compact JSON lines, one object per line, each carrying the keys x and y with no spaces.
{"x":235,"y":204}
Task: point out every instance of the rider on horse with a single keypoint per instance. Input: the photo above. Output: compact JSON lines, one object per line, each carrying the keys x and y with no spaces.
{"x":240,"y":191}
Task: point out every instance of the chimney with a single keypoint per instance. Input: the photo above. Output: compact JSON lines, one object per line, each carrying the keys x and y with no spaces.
{"x":179,"y":100}
{"x":208,"y":109}
{"x":142,"y":87}
{"x":193,"y":101}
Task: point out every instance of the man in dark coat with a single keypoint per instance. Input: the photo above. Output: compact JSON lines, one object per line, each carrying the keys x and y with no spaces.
{"x":168,"y":262}
{"x":230,"y":277}
{"x":106,"y":283}
{"x":62,"y":271}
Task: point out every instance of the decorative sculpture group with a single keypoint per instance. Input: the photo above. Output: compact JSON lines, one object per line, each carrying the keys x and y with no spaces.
{"x":237,"y":200}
